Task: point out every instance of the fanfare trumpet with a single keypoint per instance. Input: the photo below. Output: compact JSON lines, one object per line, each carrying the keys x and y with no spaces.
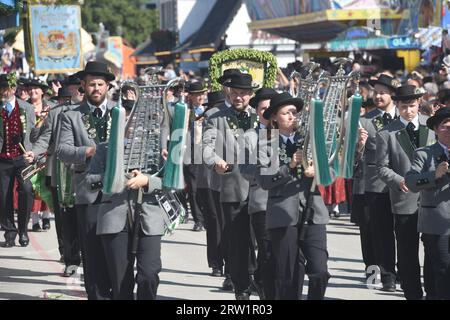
{"x":32,"y":169}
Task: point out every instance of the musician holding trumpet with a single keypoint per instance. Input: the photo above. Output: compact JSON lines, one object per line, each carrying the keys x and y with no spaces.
{"x":296,"y":215}
{"x":16,"y":121}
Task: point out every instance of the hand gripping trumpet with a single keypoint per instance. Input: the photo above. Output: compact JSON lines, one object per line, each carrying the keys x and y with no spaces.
{"x":32,"y":169}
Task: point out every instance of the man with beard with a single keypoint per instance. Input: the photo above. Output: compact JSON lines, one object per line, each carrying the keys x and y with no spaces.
{"x":81,"y":130}
{"x":223,"y":146}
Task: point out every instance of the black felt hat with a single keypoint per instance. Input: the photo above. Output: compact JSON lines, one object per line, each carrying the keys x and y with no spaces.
{"x":282,"y":99}
{"x":36,"y":82}
{"x":262,"y":94}
{"x":7,"y":80}
{"x":196,"y":87}
{"x":228,"y":74}
{"x":438,"y":117}
{"x":407,"y":92}
{"x":241,"y":81}
{"x":96,"y":68}
{"x":385,"y":80}
{"x":214,"y":98}
{"x":72,"y":80}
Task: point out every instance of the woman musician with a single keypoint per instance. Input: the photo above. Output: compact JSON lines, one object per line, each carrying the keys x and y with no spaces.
{"x":298,"y":240}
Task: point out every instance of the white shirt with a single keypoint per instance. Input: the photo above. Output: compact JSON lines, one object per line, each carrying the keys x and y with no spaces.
{"x":445,"y":149}
{"x":102,"y":107}
{"x":285,"y":138}
{"x":392,"y":113}
{"x":414,"y":121}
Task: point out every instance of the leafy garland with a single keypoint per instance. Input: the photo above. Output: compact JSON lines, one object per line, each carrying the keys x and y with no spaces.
{"x":219,"y":58}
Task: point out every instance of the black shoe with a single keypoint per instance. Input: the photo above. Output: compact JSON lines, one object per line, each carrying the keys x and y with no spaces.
{"x":9,"y":244}
{"x":216,"y":272}
{"x":36,"y":227}
{"x":227,"y":284}
{"x":46,"y":224}
{"x":388,"y":287}
{"x":198,"y":227}
{"x":257,"y":288}
{"x":70,"y":270}
{"x":242,"y":296}
{"x":24,"y":240}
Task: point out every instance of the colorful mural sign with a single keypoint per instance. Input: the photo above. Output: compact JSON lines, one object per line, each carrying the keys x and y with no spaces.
{"x":56,"y":38}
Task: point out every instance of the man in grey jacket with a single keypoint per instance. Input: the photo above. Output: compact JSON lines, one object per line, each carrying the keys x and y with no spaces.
{"x":47,"y":143}
{"x":82,"y":128}
{"x":378,"y":203}
{"x":395,"y":146}
{"x":116,"y":231}
{"x":223,"y":147}
{"x":430,"y":176}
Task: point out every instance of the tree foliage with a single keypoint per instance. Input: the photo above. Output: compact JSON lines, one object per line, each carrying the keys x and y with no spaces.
{"x":136,"y":21}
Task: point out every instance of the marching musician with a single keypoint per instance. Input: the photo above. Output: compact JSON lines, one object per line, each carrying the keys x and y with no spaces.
{"x":36,"y":90}
{"x":116,"y":231}
{"x":395,"y":146}
{"x":82,"y":128}
{"x":196,"y":97}
{"x":296,"y":215}
{"x":215,"y":180}
{"x":47,"y":143}
{"x":16,"y":122}
{"x":430,"y":176}
{"x":381,"y":222}
{"x":222,"y":149}
{"x":207,"y":198}
{"x":263,"y":275}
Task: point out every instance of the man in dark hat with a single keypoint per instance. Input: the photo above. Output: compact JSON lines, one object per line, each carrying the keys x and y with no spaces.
{"x":430,"y":175}
{"x":205,"y":195}
{"x":380,"y":221}
{"x":263,"y":275}
{"x":290,"y":199}
{"x":16,"y":121}
{"x":395,"y":146}
{"x":82,"y":128}
{"x":65,"y":214}
{"x":222,"y":150}
{"x":196,"y":97}
{"x":73,"y":85}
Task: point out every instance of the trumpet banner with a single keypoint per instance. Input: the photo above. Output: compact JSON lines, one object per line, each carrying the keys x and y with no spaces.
{"x":114,"y":181}
{"x":173,"y":170}
{"x":351,"y":137}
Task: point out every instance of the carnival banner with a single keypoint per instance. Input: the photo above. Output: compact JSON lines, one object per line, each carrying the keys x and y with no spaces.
{"x":56,"y":38}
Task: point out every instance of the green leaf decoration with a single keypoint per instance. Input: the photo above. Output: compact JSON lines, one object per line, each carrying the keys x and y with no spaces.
{"x":266,"y":58}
